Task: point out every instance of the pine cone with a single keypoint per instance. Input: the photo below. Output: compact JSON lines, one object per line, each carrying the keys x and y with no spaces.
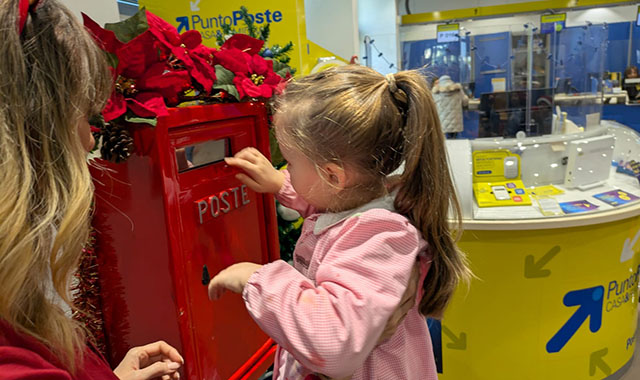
{"x":117,"y":144}
{"x":98,"y":126}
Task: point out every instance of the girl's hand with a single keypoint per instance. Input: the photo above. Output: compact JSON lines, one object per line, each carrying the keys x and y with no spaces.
{"x":148,"y":362}
{"x":259,"y":174}
{"x":233,"y":278}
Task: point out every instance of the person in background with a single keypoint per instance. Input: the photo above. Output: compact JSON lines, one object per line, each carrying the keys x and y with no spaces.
{"x":633,"y":90}
{"x":450,"y":98}
{"x":52,"y":79}
{"x":376,"y":253}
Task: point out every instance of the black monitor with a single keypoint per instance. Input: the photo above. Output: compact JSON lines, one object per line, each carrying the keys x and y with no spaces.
{"x":563,"y":86}
{"x":632,"y":86}
{"x":503,"y":114}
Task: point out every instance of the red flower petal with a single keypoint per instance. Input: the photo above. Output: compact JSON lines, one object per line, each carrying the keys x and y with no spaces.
{"x":115,"y":107}
{"x":106,"y":39}
{"x":237,"y":81}
{"x":163,"y":30}
{"x":233,"y":60}
{"x":272,"y":79}
{"x":202,"y":72}
{"x":147,"y":104}
{"x":191,"y":39}
{"x":137,"y":55}
{"x":258,"y":65}
{"x":168,"y":84}
{"x":246,"y":86}
{"x":244,"y":43}
{"x":206,"y":53}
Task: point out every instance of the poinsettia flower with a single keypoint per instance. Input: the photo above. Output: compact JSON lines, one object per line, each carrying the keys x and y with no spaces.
{"x":144,"y":82}
{"x":259,"y":81}
{"x":142,"y":95}
{"x":243,"y":43}
{"x":181,"y":46}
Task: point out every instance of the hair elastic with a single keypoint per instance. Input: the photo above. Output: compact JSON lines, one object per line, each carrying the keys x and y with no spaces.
{"x":391,"y":79}
{"x":24,"y":7}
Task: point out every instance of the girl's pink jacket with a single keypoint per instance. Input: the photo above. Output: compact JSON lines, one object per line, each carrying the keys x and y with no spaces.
{"x":328,"y":311}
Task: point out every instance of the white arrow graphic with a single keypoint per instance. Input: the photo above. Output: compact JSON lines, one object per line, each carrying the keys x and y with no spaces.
{"x":627,"y":249}
{"x":194,"y":5}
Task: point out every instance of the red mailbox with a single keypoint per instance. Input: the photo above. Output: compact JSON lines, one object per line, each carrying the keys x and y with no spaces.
{"x":168,"y":211}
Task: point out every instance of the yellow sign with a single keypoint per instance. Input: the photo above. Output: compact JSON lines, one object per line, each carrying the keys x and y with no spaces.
{"x":286,"y":19}
{"x":508,"y":8}
{"x":550,"y":304}
{"x":448,"y":27}
{"x":553,"y":18}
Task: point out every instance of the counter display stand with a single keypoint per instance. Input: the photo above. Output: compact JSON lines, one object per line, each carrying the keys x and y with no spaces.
{"x":555,"y":297}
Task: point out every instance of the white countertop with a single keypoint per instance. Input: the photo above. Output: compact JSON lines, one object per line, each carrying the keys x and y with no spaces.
{"x":530,"y":217}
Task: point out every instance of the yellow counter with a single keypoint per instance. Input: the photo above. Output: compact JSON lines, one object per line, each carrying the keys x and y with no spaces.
{"x":553,"y":299}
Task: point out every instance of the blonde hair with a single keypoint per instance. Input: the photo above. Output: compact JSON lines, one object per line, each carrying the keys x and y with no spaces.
{"x":352,"y":115}
{"x":51,"y":76}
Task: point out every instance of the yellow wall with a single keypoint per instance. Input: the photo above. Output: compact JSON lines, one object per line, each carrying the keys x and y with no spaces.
{"x":287,"y":19}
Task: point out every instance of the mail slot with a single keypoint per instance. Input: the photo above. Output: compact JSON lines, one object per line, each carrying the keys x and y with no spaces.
{"x":171,"y":209}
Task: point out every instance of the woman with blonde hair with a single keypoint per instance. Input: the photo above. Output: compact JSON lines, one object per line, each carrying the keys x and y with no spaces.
{"x":52,"y":78}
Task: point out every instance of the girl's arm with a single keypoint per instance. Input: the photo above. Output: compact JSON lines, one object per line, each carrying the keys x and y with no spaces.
{"x":262,"y":177}
{"x":332,"y":326}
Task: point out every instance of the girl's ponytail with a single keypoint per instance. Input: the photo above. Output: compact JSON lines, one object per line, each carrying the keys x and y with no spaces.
{"x":426,"y":194}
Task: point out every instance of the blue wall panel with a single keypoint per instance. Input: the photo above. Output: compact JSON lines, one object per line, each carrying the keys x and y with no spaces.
{"x":492,"y":60}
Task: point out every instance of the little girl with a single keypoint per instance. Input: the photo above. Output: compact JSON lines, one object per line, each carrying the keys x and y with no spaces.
{"x":376,"y":254}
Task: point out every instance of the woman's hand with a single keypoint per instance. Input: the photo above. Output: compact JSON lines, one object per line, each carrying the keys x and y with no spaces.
{"x":148,"y":362}
{"x":259,"y":174}
{"x":233,"y":278}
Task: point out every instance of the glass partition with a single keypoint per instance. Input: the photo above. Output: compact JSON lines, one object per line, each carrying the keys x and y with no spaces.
{"x":519,"y":79}
{"x":578,"y":72}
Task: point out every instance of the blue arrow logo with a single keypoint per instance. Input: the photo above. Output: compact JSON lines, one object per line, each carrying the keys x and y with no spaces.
{"x":184,"y":23}
{"x":590,"y":306}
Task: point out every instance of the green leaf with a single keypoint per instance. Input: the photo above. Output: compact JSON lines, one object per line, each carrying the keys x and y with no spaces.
{"x":229,"y":88}
{"x":140,"y":120}
{"x":223,"y":76}
{"x":130,"y":28}
{"x":224,"y":81}
{"x":112,"y":59}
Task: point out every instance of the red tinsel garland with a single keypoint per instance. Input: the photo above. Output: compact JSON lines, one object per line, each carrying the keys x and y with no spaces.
{"x":87,"y":296}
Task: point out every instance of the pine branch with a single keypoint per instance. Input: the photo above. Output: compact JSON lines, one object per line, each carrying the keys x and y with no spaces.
{"x":285,"y":59}
{"x":287,"y":48}
{"x":264,"y":32}
{"x":247,"y":20}
{"x":279,"y":51}
{"x":226,"y":29}
{"x":220,"y":39}
{"x":275,"y":49}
